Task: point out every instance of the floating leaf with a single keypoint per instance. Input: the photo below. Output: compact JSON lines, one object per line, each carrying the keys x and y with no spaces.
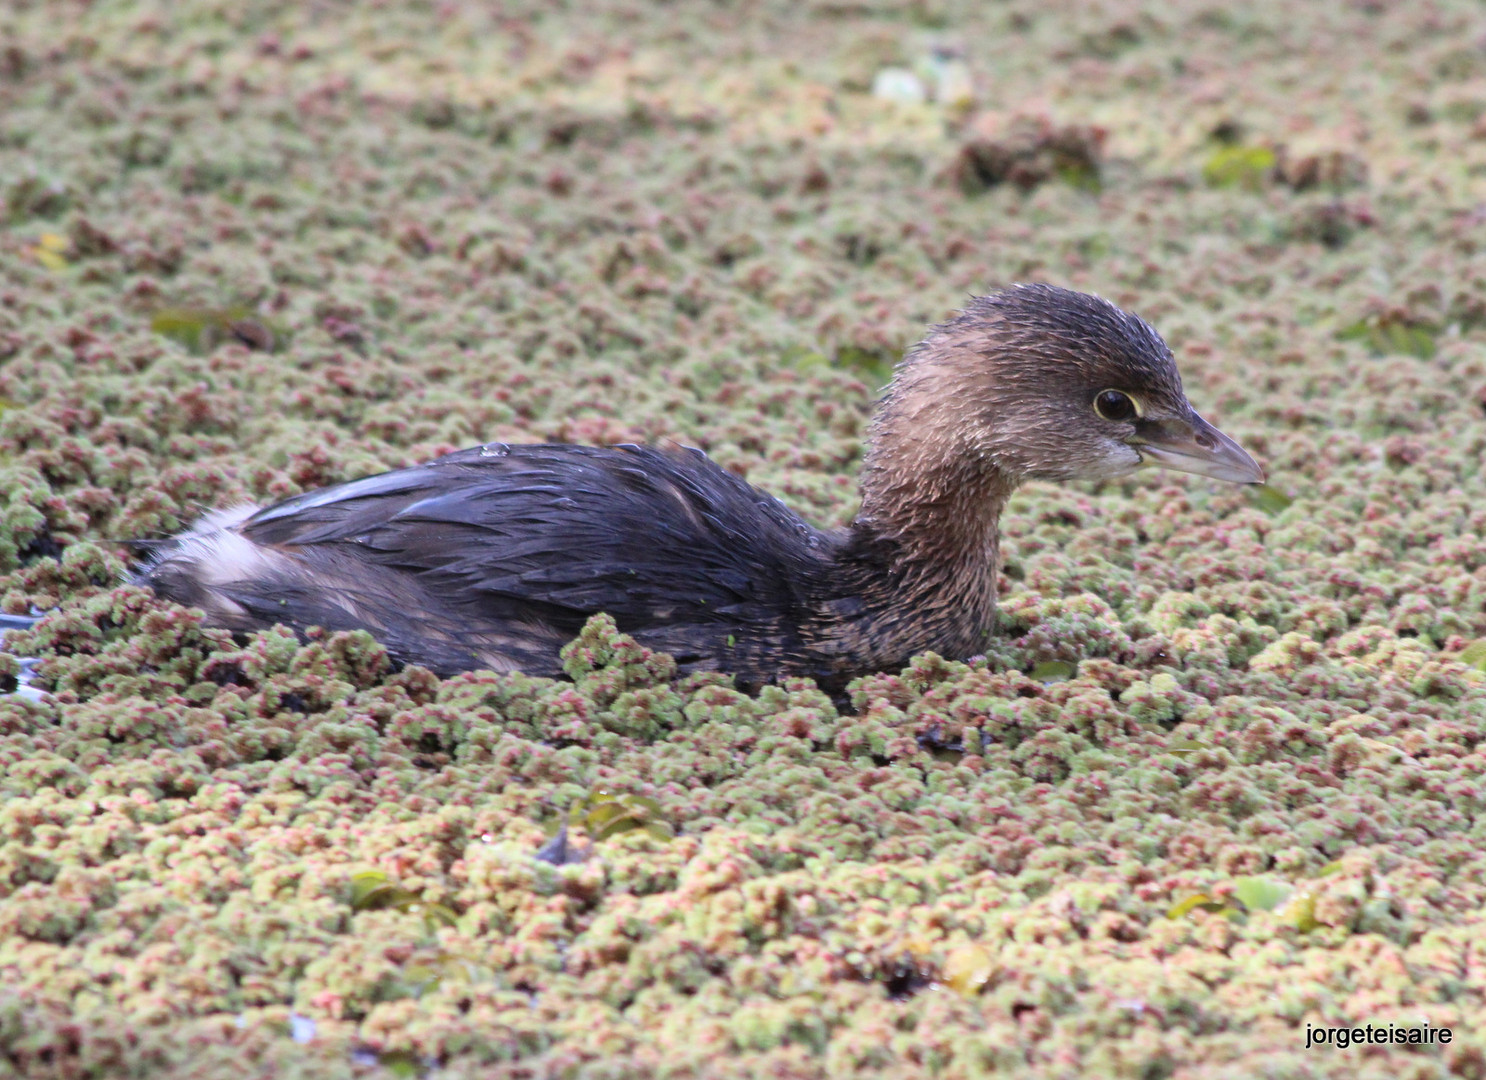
{"x":659,"y":830}
{"x":1391,"y":337}
{"x":422,"y":978}
{"x":399,"y":1063}
{"x":1053,"y":671}
{"x":604,"y":815}
{"x":1261,"y":894}
{"x":202,"y":329}
{"x":51,"y":251}
{"x":1403,"y":339}
{"x":1474,"y":654}
{"x":441,"y":969}
{"x":1300,"y":911}
{"x":968,"y":969}
{"x":608,"y":819}
{"x":1269,"y":499}
{"x":1192,"y":903}
{"x":35,"y":196}
{"x":1079,"y":174}
{"x":624,"y":823}
{"x":802,"y":358}
{"x":874,"y":366}
{"x":1184,"y":747}
{"x":372,"y":890}
{"x":919,"y":946}
{"x":1239,"y":166}
{"x":433,"y":913}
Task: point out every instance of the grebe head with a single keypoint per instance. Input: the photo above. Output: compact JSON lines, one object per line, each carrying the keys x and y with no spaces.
{"x":1038,"y":382}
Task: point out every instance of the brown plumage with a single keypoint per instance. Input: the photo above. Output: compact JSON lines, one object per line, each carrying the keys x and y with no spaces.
{"x":494,"y":557}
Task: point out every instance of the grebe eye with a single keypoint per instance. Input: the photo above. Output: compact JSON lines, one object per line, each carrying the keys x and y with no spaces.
{"x":1115,"y":405}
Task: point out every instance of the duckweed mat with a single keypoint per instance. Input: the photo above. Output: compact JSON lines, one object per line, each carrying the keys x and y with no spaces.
{"x":1217,"y":788}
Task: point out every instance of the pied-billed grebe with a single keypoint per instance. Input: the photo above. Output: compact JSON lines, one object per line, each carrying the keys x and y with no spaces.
{"x":494,"y":557}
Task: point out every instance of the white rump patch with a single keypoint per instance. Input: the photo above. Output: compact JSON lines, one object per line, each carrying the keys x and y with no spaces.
{"x":217,"y":555}
{"x":217,"y":520}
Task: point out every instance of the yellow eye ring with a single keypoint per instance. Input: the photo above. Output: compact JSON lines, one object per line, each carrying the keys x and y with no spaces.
{"x":1116,"y":406}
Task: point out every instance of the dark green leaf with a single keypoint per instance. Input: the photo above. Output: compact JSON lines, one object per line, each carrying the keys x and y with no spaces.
{"x":1269,"y":499}
{"x":1261,"y":894}
{"x":1051,"y":671}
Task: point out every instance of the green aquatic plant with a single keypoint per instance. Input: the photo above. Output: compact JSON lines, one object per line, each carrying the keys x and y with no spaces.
{"x":968,"y":969}
{"x":1389,"y":336}
{"x":1292,"y":906}
{"x":605,"y":814}
{"x":1239,"y":166}
{"x":1474,"y":654}
{"x":50,"y":250}
{"x":1269,"y":498}
{"x":1051,"y":671}
{"x":373,"y":890}
{"x":203,"y":329}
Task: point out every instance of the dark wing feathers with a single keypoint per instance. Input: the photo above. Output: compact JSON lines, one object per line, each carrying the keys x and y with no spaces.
{"x":293,"y":513}
{"x":663,"y":540}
